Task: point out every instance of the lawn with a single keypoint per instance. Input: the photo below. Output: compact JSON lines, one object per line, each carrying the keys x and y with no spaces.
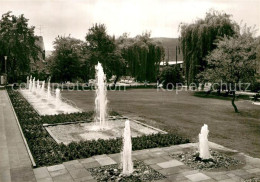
{"x":185,"y":113}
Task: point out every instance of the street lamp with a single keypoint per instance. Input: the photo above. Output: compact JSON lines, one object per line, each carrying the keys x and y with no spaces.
{"x":5,"y":63}
{"x":5,"y":70}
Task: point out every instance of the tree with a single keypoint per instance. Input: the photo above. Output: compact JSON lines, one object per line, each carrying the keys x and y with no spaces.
{"x":102,"y":48}
{"x":232,"y":63}
{"x":258,"y":56}
{"x":142,"y":56}
{"x":67,"y":59}
{"x":18,"y":43}
{"x":197,"y":40}
{"x":171,"y":76}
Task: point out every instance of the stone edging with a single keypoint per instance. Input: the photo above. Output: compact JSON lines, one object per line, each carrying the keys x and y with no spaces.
{"x":148,"y":126}
{"x":21,"y":131}
{"x":52,"y":135}
{"x":67,"y":123}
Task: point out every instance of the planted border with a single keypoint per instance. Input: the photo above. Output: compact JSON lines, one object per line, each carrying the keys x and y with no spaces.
{"x":47,"y":152}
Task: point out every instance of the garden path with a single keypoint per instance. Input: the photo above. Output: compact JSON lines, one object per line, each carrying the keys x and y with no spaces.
{"x":159,"y":159}
{"x":15,"y":164}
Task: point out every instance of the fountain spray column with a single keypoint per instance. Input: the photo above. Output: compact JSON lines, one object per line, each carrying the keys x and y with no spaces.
{"x":27,"y":82}
{"x":38,"y":87}
{"x":204,"y":143}
{"x":33,"y":86}
{"x":127,"y":150}
{"x":101,"y":97}
{"x":49,"y":90}
{"x":30,"y":84}
{"x":43,"y":88}
{"x":57,"y":100}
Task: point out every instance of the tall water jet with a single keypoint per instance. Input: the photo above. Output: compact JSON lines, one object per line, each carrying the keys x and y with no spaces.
{"x":49,"y":90}
{"x":43,"y":88}
{"x":127,"y":162}
{"x":204,"y":143}
{"x":33,"y":86}
{"x":101,"y":97}
{"x":27,"y":82}
{"x":30,"y":84}
{"x":38,"y":87}
{"x":57,"y":99}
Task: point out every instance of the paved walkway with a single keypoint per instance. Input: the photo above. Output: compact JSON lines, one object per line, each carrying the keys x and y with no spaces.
{"x":15,"y":164}
{"x":158,"y":159}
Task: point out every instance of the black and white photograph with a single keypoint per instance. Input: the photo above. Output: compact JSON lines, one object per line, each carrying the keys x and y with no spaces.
{"x":129,"y":90}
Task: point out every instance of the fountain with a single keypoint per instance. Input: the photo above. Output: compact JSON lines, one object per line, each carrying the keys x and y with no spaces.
{"x":127,"y":150}
{"x":206,"y":159}
{"x":125,"y":171}
{"x":27,"y":82}
{"x":57,"y":98}
{"x":204,"y":143}
{"x":30,"y":84}
{"x":99,"y":129}
{"x":49,"y":90}
{"x":42,"y":88}
{"x":38,"y":87}
{"x":44,"y":103}
{"x":33,"y":86}
{"x":101,"y":98}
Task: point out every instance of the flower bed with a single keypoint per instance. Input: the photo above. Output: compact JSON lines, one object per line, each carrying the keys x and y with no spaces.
{"x":47,"y":152}
{"x":142,"y":172}
{"x":217,"y":161}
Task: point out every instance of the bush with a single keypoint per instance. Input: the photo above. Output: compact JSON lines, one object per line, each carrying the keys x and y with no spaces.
{"x":170,"y":76}
{"x":255,"y":87}
{"x":47,"y":152}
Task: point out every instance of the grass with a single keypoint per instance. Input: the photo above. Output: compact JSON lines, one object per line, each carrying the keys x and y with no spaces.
{"x":185,"y":114}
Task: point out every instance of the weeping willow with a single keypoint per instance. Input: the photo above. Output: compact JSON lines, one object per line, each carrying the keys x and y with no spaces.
{"x":199,"y":38}
{"x":143,"y":57}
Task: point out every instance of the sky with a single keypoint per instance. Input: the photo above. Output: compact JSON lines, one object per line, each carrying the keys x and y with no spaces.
{"x":161,"y":17}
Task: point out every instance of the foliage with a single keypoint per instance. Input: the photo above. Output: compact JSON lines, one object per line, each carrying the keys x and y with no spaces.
{"x":232,"y":62}
{"x":138,"y":57}
{"x":102,"y":48}
{"x":142,"y":56}
{"x":67,"y":58}
{"x":222,"y":96}
{"x":47,"y":152}
{"x":197,"y":40}
{"x":258,"y":60}
{"x":72,"y":117}
{"x":19,"y":44}
{"x":170,"y":76}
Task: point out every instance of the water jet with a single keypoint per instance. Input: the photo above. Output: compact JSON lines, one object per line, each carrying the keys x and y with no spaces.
{"x":204,"y":143}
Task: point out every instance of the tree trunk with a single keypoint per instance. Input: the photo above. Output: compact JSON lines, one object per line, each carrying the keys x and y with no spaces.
{"x":209,"y":91}
{"x":218,"y":92}
{"x":117,"y":78}
{"x":233,"y":102}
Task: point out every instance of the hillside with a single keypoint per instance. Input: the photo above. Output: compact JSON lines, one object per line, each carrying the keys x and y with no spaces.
{"x":170,"y":44}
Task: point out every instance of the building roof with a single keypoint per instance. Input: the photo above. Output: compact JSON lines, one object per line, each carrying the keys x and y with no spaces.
{"x":171,"y":63}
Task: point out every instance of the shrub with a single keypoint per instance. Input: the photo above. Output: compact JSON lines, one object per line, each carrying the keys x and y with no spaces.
{"x":170,"y":75}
